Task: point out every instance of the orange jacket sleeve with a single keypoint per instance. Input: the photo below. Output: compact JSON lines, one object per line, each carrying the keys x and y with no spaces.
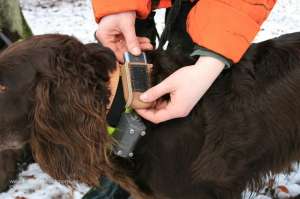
{"x":227,"y":26}
{"x":142,"y":7}
{"x":105,"y":7}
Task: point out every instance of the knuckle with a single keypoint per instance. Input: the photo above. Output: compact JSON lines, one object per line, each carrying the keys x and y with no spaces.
{"x":156,"y":120}
{"x":183,"y":113}
{"x":130,"y":40}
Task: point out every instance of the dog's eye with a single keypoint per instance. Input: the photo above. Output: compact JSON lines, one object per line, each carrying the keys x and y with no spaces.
{"x":2,"y":88}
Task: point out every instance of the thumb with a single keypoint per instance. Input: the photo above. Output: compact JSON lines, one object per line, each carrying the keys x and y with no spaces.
{"x":131,"y":39}
{"x":155,"y":92}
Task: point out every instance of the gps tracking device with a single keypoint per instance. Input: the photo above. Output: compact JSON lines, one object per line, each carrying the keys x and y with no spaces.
{"x":135,"y":79}
{"x":135,"y":73}
{"x":129,"y":131}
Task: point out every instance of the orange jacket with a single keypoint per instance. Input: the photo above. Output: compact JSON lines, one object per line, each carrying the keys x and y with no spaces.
{"x":223,"y":26}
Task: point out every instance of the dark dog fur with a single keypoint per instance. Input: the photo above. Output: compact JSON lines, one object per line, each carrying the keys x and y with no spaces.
{"x":245,"y":127}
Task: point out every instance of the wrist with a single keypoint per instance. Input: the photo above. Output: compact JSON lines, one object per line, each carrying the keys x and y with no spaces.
{"x":210,"y":62}
{"x":118,"y":16}
{"x":204,"y":52}
{"x":208,"y":69}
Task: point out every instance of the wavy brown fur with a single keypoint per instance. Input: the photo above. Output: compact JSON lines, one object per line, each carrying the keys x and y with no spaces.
{"x":244,"y":128}
{"x":69,"y":138}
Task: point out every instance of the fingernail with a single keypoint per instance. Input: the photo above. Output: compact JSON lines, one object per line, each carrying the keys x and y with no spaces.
{"x":143,"y":97}
{"x":136,"y":51}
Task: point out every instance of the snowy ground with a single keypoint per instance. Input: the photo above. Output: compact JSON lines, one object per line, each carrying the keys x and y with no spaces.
{"x":75,"y":17}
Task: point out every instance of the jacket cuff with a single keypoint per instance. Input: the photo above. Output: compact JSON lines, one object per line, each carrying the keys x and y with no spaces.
{"x":221,"y":28}
{"x":204,"y":52}
{"x":102,"y":8}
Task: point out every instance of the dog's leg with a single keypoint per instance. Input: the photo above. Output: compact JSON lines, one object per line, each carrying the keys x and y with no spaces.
{"x":8,"y":167}
{"x":12,"y":162}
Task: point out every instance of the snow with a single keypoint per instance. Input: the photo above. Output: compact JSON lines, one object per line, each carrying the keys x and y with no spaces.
{"x":75,"y":17}
{"x":35,"y":184}
{"x":284,"y":18}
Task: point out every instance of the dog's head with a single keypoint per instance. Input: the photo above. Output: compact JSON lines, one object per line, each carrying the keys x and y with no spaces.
{"x":54,"y":94}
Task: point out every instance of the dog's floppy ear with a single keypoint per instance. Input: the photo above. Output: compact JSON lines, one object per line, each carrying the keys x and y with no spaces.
{"x":102,"y":59}
{"x":69,"y":138}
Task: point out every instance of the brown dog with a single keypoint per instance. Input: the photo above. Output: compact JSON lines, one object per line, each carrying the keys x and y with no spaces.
{"x":55,"y":93}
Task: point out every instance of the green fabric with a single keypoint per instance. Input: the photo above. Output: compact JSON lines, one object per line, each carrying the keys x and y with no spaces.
{"x":201,"y":51}
{"x":128,"y":110}
{"x":12,"y":21}
{"x":111,"y":130}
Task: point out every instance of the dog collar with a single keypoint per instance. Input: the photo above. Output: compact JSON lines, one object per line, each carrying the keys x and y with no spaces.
{"x":125,"y":94}
{"x":117,"y":107}
{"x":125,"y":125}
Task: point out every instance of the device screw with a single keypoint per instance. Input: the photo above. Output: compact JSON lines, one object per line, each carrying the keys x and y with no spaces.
{"x":130,"y":154}
{"x":131,"y":131}
{"x":143,"y":133}
{"x":119,"y":153}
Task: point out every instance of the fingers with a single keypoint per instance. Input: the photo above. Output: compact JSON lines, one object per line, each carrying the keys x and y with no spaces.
{"x":132,"y":43}
{"x":118,"y":45}
{"x":156,"y":114}
{"x":120,"y":49}
{"x":145,"y":43}
{"x":106,"y":40}
{"x":143,"y":40}
{"x":156,"y":92}
{"x":117,"y":31}
{"x":146,"y":46}
{"x":164,"y":112}
{"x":123,"y":41}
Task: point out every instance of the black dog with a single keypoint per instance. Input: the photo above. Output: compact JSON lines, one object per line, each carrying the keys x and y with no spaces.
{"x":54,"y":94}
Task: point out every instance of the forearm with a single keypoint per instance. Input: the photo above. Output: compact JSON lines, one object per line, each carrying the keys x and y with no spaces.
{"x":211,"y":67}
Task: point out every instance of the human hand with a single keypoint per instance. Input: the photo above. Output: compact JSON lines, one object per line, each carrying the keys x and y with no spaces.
{"x":185,"y":86}
{"x":117,"y":31}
